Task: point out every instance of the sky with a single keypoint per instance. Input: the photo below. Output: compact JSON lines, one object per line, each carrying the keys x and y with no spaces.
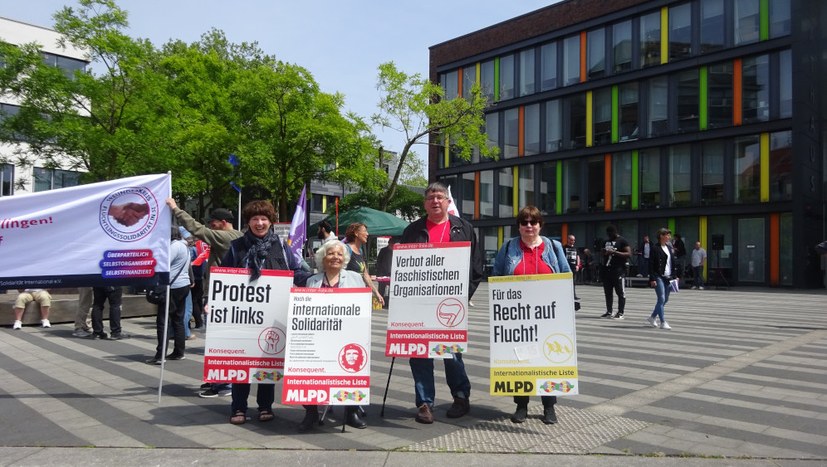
{"x":341,"y":42}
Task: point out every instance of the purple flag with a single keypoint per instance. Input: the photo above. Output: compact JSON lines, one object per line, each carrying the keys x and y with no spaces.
{"x":298,"y":228}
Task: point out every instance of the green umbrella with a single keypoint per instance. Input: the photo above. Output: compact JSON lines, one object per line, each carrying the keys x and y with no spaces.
{"x":377,"y":222}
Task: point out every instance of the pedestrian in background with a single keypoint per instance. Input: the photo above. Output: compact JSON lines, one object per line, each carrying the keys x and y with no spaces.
{"x":661,"y":271}
{"x":698,"y":261}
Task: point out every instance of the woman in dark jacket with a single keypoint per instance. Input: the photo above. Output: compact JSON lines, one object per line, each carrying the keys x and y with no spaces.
{"x":661,"y":270}
{"x":259,"y":248}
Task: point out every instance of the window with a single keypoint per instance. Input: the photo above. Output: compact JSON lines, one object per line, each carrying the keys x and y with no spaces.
{"x":602,"y":104}
{"x":747,"y":21}
{"x":527,"y":72}
{"x":688,"y":105}
{"x":785,"y":84}
{"x":50,"y":179}
{"x":596,"y":42}
{"x":571,"y":60}
{"x":622,"y":181}
{"x":658,"y":124}
{"x":649,"y":162}
{"x":622,"y":46}
{"x":505,"y":190}
{"x":486,"y":194}
{"x":6,"y":180}
{"x":511,"y":135}
{"x":747,"y":170}
{"x":507,"y":77}
{"x":628,"y":108}
{"x":781,"y":166}
{"x":650,"y":39}
{"x":450,"y":84}
{"x":756,"y":89}
{"x":779,"y":18}
{"x":554,"y":126}
{"x":526,"y":186}
{"x":719,"y":95}
{"x":532,"y":129}
{"x":680,"y":31}
{"x":67,"y":65}
{"x":712,"y":173}
{"x":680,"y":175}
{"x":571,"y":185}
{"x":548,"y":70}
{"x":596,"y":183}
{"x":577,"y":117}
{"x":712,"y":25}
{"x":469,"y":77}
{"x":547,"y":198}
{"x":466,"y":203}
{"x":316,"y":202}
{"x":492,"y":129}
{"x":487,"y":79}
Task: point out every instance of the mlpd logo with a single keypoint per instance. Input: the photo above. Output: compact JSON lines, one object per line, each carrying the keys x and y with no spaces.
{"x":129,"y":214}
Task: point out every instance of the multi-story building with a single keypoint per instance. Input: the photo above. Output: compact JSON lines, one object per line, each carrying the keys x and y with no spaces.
{"x":704,"y":116}
{"x":20,"y":171}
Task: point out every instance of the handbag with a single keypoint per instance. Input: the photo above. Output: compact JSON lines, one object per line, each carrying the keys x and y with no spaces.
{"x":157,"y":294}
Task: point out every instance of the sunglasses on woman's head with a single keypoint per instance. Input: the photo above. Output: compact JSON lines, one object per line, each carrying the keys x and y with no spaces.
{"x":525,"y":223}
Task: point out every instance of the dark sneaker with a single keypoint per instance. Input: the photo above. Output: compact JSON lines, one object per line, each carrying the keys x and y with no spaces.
{"x":206,"y":385}
{"x":520,"y":415}
{"x":208,"y":393}
{"x":154,"y":361}
{"x":116,"y":336}
{"x":549,"y":417}
{"x":424,"y":415}
{"x":98,"y":335}
{"x":173,"y":356}
{"x":619,"y":316}
{"x":311,"y":418}
{"x":81,"y":333}
{"x":607,"y":314}
{"x":459,"y":408}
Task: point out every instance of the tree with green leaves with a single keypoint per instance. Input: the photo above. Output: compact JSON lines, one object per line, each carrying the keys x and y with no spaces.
{"x":417,"y":108}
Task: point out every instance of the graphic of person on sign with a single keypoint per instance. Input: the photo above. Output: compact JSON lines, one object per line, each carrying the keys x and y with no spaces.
{"x":352,"y":358}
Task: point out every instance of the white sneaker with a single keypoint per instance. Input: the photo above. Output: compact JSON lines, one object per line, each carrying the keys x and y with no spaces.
{"x":652,"y":321}
{"x":665,"y":325}
{"x":45,"y":323}
{"x":17,"y":324}
{"x":700,"y":288}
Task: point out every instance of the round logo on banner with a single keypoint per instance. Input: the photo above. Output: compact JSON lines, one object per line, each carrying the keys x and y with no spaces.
{"x":129,"y":214}
{"x":450,"y":312}
{"x":272,"y":341}
{"x":352,"y":357}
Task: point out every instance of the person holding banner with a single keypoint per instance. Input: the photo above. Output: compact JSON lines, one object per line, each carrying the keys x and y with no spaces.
{"x":532,"y":253}
{"x":331,"y":257}
{"x":440,"y":227}
{"x":356,"y":237}
{"x":257,"y":249}
{"x":179,"y":289}
{"x":662,"y":266}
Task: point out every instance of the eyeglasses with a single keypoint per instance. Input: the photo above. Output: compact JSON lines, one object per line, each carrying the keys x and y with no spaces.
{"x":532,"y":222}
{"x":435,"y":198}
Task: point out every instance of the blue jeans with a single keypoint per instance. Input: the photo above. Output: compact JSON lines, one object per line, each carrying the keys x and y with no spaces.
{"x":698,"y":273}
{"x":187,"y":315}
{"x":423,"y":375}
{"x":662,"y":290}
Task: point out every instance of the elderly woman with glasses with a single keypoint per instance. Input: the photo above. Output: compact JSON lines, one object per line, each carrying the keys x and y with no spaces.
{"x":531,"y":253}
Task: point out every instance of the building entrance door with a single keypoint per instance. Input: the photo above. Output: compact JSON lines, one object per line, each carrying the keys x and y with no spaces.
{"x":751,"y":250}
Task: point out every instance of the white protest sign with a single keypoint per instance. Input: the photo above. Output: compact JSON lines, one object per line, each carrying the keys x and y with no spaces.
{"x":247,"y":320}
{"x":532,"y":336}
{"x":428,"y":315}
{"x":328,"y":347}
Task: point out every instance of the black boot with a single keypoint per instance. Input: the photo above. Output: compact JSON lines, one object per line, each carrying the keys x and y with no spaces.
{"x":311,"y":418}
{"x":353,"y":418}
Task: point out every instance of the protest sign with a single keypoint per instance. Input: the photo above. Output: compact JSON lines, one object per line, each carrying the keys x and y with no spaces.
{"x":246,"y":333}
{"x":328,"y":347}
{"x":532,"y":336}
{"x":428,"y":314}
{"x":103,"y":234}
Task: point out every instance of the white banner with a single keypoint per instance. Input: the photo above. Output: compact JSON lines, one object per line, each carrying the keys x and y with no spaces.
{"x":532,"y":336}
{"x":246,"y":331}
{"x":328,"y":347}
{"x":428,"y":314}
{"x":108,"y":233}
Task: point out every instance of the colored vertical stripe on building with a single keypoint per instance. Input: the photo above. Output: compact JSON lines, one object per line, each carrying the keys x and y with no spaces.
{"x":607,"y":182}
{"x":477,"y":177}
{"x":446,"y":151}
{"x":615,"y":114}
{"x":324,"y":203}
{"x":703,"y":98}
{"x":737,"y":92}
{"x":521,"y":131}
{"x":583,"y":68}
{"x":670,"y":224}
{"x":664,"y":35}
{"x":635,"y":180}
{"x":459,"y":81}
{"x":775,"y":249}
{"x":496,"y":79}
{"x":499,"y":237}
{"x":559,"y":184}
{"x":764,"y":27}
{"x":564,"y":233}
{"x":589,"y":119}
{"x":703,"y":228}
{"x":515,"y":190}
{"x":478,"y":73}
{"x":765,"y":167}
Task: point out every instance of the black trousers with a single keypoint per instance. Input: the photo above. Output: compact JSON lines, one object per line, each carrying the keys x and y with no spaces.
{"x":177,"y":303}
{"x":613,"y":282}
{"x":197,"y":292}
{"x":100,"y":296}
{"x":522,"y":401}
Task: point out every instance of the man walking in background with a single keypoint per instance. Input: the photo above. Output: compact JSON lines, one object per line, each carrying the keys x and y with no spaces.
{"x":698,"y":260}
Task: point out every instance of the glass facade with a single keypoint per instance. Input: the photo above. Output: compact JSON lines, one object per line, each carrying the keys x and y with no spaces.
{"x":50,"y":179}
{"x":6,"y":179}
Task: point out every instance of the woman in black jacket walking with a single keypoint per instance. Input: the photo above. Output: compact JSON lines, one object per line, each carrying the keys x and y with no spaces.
{"x":661,"y":269}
